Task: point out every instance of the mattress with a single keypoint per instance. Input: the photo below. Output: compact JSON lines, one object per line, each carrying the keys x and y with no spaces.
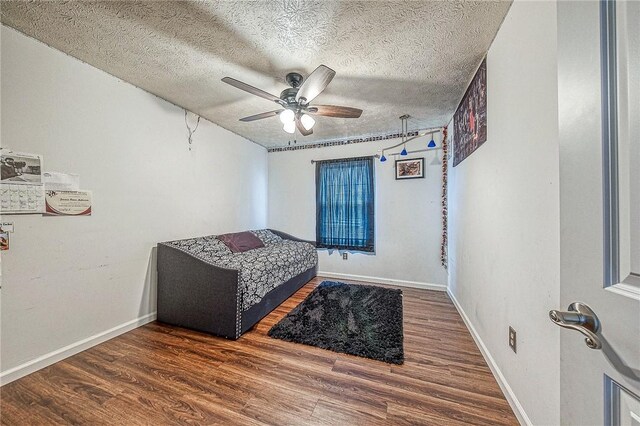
{"x":260,"y":270}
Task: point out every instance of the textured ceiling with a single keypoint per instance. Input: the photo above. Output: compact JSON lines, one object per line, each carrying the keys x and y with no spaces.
{"x":391,"y":58}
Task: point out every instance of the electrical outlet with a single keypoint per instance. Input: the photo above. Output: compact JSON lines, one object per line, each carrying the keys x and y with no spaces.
{"x":512,"y":339}
{"x":344,"y":256}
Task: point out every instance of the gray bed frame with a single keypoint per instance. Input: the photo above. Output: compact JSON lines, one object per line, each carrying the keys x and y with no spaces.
{"x":197,"y":295}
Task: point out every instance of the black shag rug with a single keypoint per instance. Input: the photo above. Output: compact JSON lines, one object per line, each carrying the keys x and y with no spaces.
{"x":355,"y":319}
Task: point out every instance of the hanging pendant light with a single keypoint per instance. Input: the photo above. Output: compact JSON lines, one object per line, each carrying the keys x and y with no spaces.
{"x":432,"y":145}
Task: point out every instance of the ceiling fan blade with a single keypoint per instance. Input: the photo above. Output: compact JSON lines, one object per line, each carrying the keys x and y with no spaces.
{"x":301,"y":129}
{"x":335,"y":111}
{"x":317,"y":81}
{"x":262,"y":115}
{"x":253,"y":90}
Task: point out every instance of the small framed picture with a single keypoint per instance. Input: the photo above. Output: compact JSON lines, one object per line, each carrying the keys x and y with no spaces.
{"x":411,"y":168}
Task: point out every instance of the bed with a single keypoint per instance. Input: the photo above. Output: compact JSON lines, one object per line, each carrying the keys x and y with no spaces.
{"x":204,"y":286}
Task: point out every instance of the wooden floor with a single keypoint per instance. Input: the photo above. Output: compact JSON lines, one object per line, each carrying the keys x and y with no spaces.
{"x":159,"y":374}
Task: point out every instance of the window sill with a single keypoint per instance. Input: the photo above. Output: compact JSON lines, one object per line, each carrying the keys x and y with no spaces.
{"x":347,"y":250}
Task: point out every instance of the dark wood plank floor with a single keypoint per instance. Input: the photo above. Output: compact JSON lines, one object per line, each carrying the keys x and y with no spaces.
{"x":159,"y":374}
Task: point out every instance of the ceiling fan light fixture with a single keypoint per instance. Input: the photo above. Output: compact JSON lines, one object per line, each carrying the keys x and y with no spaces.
{"x":290,"y":127}
{"x":287,"y":116}
{"x":294,"y":101}
{"x":307,"y":121}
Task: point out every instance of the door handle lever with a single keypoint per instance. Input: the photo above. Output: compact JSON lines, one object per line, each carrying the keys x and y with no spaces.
{"x":579,"y":317}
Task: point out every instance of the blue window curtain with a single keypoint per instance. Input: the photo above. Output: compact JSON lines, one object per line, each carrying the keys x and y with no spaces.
{"x":345,"y":204}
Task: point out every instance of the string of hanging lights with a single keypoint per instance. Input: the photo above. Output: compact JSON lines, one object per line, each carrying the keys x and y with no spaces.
{"x":445,"y":164}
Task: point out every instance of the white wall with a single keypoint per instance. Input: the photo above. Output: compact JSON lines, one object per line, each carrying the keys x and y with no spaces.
{"x":408,"y":218}
{"x":68,"y":278}
{"x":504,"y":214}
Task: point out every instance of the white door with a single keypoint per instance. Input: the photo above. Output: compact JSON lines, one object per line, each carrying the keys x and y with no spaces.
{"x":600,"y":207}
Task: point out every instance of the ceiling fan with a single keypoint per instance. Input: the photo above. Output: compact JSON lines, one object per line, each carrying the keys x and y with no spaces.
{"x":296,"y":113}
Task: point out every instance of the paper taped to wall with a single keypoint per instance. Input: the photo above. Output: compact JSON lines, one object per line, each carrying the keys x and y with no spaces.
{"x":19,"y":198}
{"x":20,"y":168}
{"x":6,"y":226}
{"x":21,"y":188}
{"x":68,"y":203}
{"x":55,"y":181}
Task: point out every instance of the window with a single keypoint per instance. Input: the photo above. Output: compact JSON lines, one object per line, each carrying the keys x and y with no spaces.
{"x":345,"y":204}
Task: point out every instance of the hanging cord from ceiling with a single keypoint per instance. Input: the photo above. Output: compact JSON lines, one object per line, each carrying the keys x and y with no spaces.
{"x":191,"y":132}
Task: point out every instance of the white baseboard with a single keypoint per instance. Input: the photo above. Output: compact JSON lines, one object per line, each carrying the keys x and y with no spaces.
{"x":72,"y":349}
{"x":378,"y":280}
{"x":502,"y":381}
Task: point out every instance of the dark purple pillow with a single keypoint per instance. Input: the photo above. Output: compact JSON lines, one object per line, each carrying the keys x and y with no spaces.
{"x":240,"y":242}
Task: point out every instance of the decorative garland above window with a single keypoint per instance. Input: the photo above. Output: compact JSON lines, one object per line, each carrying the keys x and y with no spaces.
{"x":445,"y":163}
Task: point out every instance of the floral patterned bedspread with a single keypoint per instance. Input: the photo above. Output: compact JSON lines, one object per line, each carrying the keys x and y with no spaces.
{"x":261,"y":270}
